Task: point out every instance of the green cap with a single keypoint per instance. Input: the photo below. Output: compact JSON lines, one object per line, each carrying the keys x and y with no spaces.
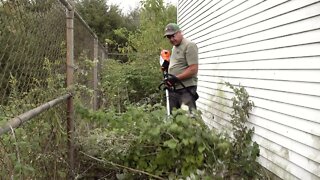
{"x":171,"y":29}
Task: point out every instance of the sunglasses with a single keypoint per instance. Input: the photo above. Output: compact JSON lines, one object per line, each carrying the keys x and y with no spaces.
{"x":170,"y":36}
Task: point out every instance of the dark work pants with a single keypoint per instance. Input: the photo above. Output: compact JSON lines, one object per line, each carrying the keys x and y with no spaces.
{"x":182,"y":96}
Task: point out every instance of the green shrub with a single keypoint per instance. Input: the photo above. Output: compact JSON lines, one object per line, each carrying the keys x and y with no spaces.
{"x":143,"y":143}
{"x":131,"y":82}
{"x":37,"y":150}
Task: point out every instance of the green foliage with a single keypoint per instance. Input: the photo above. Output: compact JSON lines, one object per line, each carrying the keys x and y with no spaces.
{"x":28,"y":36}
{"x":154,"y":16}
{"x":105,"y":20}
{"x":39,"y":145}
{"x":139,"y":31}
{"x":244,"y":151}
{"x":137,"y":80}
{"x":31,"y":53}
{"x":36,"y":148}
{"x":143,"y":138}
{"x":143,"y":142}
{"x":131,"y":82}
{"x":42,"y":90}
{"x":83,"y":87}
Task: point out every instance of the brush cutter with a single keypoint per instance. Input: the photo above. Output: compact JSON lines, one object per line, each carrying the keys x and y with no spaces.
{"x":164,"y":63}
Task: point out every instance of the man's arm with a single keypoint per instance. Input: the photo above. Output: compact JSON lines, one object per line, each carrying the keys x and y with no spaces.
{"x":189,"y":72}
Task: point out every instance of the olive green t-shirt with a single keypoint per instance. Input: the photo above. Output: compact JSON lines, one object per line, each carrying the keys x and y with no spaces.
{"x":182,"y":56}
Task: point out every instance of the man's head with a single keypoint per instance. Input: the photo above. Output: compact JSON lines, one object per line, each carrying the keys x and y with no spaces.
{"x":173,"y":33}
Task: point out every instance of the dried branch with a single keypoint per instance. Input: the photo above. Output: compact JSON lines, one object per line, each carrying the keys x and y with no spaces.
{"x":124,"y":167}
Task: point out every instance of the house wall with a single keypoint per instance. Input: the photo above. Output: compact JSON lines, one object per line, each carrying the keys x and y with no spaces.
{"x":272,"y":48}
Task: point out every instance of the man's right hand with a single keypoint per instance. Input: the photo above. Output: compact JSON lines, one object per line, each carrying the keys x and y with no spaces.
{"x":171,"y":80}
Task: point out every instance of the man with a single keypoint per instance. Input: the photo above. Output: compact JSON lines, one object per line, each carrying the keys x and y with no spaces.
{"x":184,"y":68}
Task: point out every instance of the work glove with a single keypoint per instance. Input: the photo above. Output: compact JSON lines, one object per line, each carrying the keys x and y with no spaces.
{"x":171,"y":80}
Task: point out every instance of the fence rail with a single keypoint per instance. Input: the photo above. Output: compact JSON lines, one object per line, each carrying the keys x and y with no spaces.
{"x":19,"y":120}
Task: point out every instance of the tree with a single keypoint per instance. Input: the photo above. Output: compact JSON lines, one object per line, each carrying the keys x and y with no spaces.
{"x":154,"y":16}
{"x":105,"y":21}
{"x":132,"y":19}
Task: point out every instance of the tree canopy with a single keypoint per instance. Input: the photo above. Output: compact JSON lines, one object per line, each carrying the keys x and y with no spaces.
{"x":105,"y":19}
{"x":138,"y":31}
{"x":154,"y":16}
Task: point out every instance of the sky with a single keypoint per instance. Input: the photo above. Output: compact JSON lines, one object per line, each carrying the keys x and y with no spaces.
{"x":127,"y":5}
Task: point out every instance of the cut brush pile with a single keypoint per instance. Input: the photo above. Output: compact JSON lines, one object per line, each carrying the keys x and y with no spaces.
{"x":142,"y":143}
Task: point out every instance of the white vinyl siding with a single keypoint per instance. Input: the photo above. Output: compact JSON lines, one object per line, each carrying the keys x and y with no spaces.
{"x":272,"y":48}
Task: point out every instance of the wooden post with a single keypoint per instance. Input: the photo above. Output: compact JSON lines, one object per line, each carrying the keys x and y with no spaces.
{"x":95,"y":73}
{"x":70,"y":106}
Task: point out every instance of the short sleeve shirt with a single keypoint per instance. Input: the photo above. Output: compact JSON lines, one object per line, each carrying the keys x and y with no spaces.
{"x":182,"y":56}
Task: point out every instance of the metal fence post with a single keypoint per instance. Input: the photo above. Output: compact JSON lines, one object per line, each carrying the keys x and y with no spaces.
{"x":107,"y":50}
{"x":101,"y":52}
{"x":70,"y":76}
{"x":95,"y":73}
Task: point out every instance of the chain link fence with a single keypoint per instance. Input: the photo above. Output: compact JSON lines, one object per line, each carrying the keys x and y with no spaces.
{"x":33,"y":75}
{"x":32,"y":55}
{"x":88,"y":55}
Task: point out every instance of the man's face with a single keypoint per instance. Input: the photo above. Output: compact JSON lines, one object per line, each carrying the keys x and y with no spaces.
{"x":175,"y":39}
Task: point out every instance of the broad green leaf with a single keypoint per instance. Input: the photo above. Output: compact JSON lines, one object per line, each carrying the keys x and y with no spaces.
{"x":201,"y":148}
{"x":172,"y":144}
{"x":155,"y":131}
{"x":174,"y":127}
{"x":190,"y":158}
{"x":185,"y":141}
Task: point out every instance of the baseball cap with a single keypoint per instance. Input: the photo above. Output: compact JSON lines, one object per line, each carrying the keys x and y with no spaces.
{"x":171,"y":29}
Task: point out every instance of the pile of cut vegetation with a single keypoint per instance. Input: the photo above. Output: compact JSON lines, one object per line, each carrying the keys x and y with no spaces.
{"x":143,"y":143}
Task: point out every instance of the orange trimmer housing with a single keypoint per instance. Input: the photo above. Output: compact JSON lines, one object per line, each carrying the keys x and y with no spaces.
{"x":164,"y":60}
{"x":165,"y":54}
